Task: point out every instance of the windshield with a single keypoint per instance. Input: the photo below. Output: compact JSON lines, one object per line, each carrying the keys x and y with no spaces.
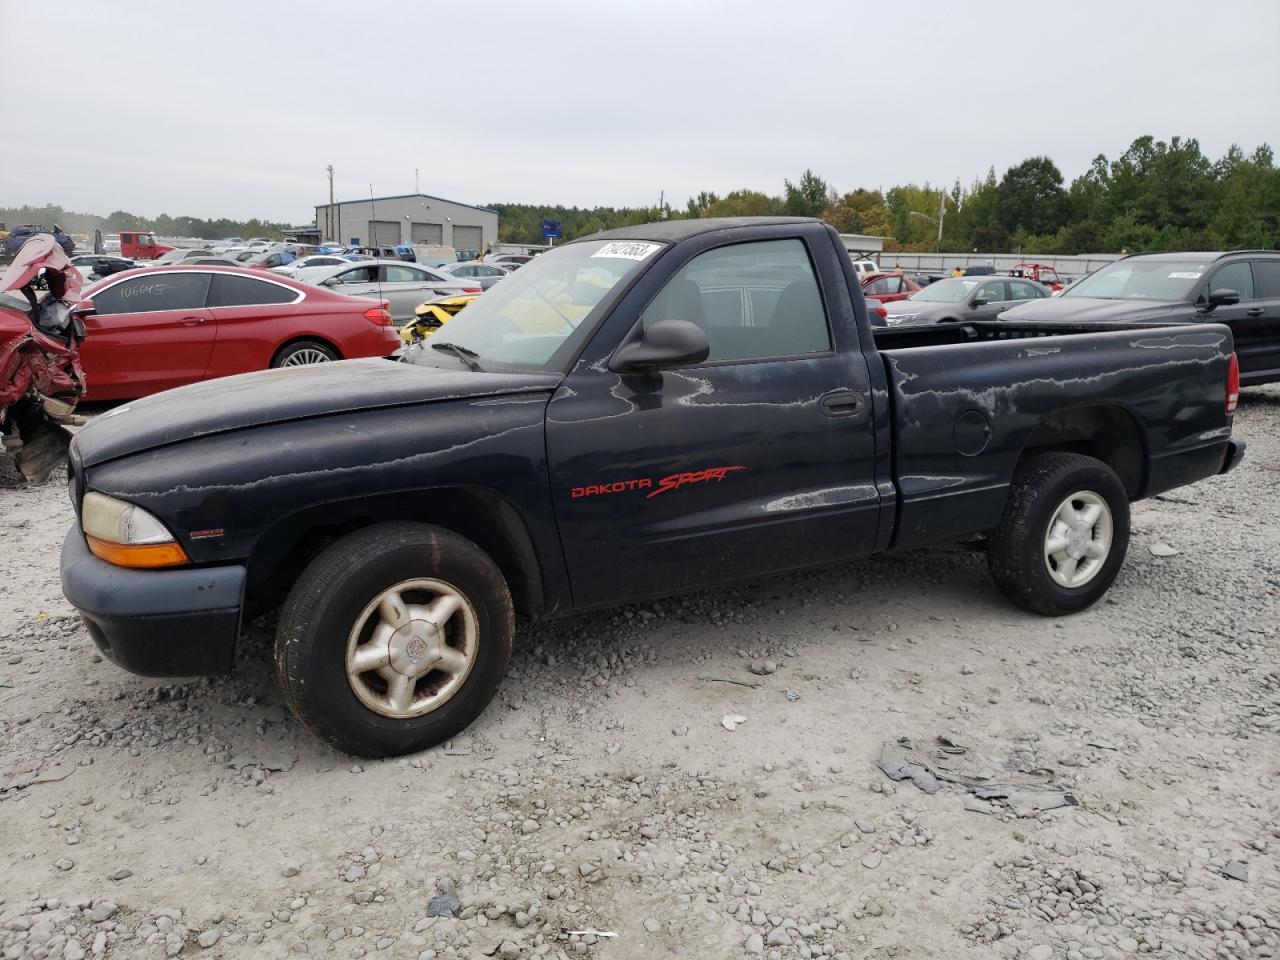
{"x":1169,"y":280}
{"x":535,"y":311}
{"x":945,"y":291}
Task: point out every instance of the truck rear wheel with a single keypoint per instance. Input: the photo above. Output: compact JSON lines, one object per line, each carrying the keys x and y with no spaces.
{"x":394,"y":639}
{"x":1063,"y":536}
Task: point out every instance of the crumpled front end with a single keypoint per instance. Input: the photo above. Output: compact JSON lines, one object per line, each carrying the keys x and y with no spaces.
{"x":40,"y":375}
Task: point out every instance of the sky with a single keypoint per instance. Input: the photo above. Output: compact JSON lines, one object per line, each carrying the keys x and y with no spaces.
{"x":230,"y":109}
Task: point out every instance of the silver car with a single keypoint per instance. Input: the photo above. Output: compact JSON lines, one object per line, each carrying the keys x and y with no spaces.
{"x":180,"y":256}
{"x":311,"y":262}
{"x":403,"y":285}
{"x":485,"y":274}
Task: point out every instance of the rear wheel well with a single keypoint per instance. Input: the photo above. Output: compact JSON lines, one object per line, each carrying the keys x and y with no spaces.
{"x":1107,"y":433}
{"x":486,"y":519}
{"x":306,"y":338}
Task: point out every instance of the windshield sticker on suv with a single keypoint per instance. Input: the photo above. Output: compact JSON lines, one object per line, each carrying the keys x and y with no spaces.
{"x":1186,"y":275}
{"x":668,"y":483}
{"x":630,"y":250}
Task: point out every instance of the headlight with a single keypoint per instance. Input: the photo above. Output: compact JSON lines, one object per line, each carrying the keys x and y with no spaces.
{"x":126,"y":535}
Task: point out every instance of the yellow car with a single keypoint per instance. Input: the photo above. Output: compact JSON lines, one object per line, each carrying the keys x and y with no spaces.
{"x":432,"y":315}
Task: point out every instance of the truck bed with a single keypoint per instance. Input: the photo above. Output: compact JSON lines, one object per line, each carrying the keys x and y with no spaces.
{"x":962,"y":419}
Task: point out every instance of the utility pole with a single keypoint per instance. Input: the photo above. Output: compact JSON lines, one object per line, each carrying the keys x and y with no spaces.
{"x":328,"y":220}
{"x":416,"y":188}
{"x":942,"y":215}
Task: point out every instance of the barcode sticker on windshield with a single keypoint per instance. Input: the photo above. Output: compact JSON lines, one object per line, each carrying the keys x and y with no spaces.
{"x":628,"y":250}
{"x":1185,"y":276}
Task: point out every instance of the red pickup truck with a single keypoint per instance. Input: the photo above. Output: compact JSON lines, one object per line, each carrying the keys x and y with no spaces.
{"x":141,"y":246}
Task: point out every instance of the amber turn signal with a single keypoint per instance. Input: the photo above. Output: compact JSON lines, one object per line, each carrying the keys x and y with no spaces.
{"x":145,"y":555}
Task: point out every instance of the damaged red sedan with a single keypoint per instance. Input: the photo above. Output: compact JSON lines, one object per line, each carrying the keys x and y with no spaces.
{"x":40,"y":377}
{"x":153,"y":329}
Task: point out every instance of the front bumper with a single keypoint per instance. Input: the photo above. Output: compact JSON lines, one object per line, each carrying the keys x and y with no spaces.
{"x":1235,"y":453}
{"x":157,"y":623}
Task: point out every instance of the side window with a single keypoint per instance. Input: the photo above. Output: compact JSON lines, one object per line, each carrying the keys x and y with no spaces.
{"x":1234,"y":276}
{"x":992,"y":291}
{"x":153,"y":292}
{"x":1267,"y":273}
{"x":397,"y":274}
{"x":1021,"y":290}
{"x":228,"y":290}
{"x":877,"y":286}
{"x":753,"y":300}
{"x":359,"y":275}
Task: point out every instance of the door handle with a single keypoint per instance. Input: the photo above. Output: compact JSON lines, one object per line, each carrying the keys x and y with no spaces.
{"x":191,"y":321}
{"x":843,"y":403}
{"x":1254,"y":312}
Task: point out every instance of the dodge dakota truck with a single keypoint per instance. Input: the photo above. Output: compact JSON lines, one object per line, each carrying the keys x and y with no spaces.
{"x":638,"y":413}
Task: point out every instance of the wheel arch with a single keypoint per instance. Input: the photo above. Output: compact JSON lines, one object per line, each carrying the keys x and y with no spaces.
{"x":1108,"y":432}
{"x":482,"y":516}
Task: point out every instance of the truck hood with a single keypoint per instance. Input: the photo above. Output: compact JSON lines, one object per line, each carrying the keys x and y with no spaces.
{"x":278,"y":396}
{"x":1089,"y":310}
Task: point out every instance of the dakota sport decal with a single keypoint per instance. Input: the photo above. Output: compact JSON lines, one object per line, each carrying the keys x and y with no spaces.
{"x":665,"y":485}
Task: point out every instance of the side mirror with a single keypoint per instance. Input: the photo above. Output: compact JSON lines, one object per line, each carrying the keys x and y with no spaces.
{"x":668,"y":343}
{"x":977,"y":302}
{"x":331,"y":282}
{"x":1223,"y":298}
{"x":84,"y":308}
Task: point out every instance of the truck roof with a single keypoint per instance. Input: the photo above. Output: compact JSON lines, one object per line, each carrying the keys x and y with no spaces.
{"x":676,"y":230}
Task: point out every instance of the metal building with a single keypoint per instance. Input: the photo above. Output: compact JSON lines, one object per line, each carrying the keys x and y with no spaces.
{"x":410,"y":218}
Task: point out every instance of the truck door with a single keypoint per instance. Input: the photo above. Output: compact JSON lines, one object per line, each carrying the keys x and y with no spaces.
{"x":759,"y":459}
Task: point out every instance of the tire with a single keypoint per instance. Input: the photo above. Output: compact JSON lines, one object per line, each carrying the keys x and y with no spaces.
{"x":1018,"y":552}
{"x":330,"y":614}
{"x":304,"y":352}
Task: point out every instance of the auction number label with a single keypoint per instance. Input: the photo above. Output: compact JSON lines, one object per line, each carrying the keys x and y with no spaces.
{"x":628,"y":250}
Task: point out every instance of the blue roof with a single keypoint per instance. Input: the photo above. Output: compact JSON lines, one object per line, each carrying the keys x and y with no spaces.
{"x":407,"y":196}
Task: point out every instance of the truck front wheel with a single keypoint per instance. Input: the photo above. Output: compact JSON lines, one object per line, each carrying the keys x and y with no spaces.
{"x":1063,"y":536}
{"x":394,"y":639}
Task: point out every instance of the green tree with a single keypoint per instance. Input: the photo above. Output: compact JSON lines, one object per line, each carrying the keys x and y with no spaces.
{"x":809,"y":197}
{"x":746,"y":203}
{"x":861,"y":211}
{"x":1031,"y":197}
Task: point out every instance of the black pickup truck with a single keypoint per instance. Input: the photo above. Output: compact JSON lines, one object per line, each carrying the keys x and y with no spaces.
{"x":638,"y":413}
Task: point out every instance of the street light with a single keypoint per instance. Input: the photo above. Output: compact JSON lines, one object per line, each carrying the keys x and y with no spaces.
{"x":942,"y":213}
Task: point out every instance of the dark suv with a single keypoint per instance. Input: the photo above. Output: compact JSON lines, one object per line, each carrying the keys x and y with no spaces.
{"x":1240,"y":289}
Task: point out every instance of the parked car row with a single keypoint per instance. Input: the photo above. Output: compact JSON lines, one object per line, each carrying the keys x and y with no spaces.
{"x":1240,"y":289}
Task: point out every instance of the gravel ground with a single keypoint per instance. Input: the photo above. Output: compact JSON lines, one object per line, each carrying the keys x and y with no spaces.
{"x":602,"y":793}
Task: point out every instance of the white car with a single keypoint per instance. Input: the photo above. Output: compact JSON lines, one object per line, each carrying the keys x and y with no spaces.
{"x":310,"y":262}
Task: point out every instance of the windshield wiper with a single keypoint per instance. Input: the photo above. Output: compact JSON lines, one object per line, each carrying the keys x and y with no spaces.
{"x":465,"y":354}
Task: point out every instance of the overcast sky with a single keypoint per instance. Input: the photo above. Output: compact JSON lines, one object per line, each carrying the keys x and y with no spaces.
{"x":226,"y":109}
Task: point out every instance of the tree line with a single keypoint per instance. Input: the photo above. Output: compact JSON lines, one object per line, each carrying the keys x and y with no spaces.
{"x":1157,"y":195}
{"x":163,"y":225}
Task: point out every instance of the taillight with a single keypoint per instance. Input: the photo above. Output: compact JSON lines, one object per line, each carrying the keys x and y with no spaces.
{"x":379,"y":315}
{"x":472,"y":289}
{"x":1233,"y":383}
{"x":881,"y":311}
